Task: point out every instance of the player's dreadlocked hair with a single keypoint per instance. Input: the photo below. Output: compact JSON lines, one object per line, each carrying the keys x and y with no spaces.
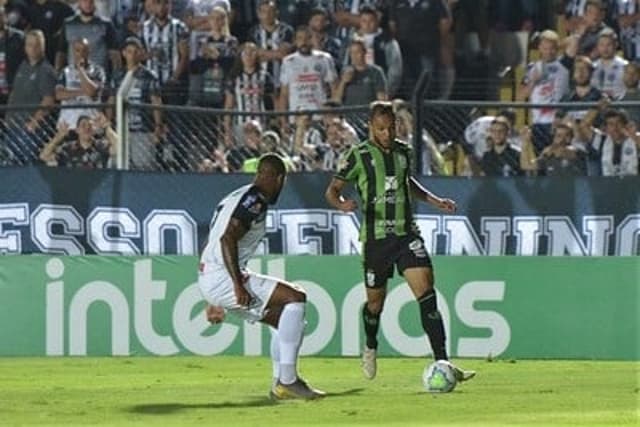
{"x":273,"y":162}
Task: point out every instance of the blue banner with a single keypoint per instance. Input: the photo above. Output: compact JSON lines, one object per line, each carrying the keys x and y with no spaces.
{"x":63,"y":211}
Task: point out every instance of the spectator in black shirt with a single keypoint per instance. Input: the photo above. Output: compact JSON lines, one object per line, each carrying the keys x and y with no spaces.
{"x":501,"y":159}
{"x":583,"y":90}
{"x":11,"y":55}
{"x":562,"y":158}
{"x":320,"y":38}
{"x":590,"y":28}
{"x":48,"y":16}
{"x":99,"y":31}
{"x":34,"y":83}
{"x":422,"y":28}
{"x":83,"y":148}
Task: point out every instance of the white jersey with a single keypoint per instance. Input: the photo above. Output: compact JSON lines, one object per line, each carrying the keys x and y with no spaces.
{"x":70,"y":79}
{"x":608,"y":77}
{"x":307,"y":76}
{"x":247,"y":205}
{"x":552,"y":86}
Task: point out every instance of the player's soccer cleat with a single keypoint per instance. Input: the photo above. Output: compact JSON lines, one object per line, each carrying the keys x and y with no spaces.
{"x":319,"y":393}
{"x":297,"y":390}
{"x":462,"y":375}
{"x":369,"y":364}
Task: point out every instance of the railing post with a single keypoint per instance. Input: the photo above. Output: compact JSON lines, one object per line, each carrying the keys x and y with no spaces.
{"x":418,"y":117}
{"x":122,"y":121}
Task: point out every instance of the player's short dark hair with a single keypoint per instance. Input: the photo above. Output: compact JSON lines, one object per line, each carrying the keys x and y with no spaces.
{"x":384,"y":108}
{"x":273,"y":162}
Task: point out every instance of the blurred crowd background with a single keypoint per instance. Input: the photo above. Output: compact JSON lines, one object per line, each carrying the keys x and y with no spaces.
{"x":515,"y":87}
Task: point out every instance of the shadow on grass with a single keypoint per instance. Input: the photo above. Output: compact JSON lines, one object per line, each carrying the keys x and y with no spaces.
{"x":169,"y":408}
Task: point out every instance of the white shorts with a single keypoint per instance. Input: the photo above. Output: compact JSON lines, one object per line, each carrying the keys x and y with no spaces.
{"x":217,"y":289}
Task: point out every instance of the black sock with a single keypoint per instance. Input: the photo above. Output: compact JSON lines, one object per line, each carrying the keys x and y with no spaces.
{"x":432,"y":324}
{"x":371,"y":325}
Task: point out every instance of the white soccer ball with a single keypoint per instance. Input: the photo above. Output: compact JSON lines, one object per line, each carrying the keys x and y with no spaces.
{"x":439,"y":377}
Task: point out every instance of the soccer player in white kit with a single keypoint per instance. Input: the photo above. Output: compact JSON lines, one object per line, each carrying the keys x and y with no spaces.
{"x":236,"y":229}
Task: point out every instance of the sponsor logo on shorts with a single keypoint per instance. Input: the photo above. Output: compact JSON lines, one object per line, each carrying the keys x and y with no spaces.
{"x":417,"y":247}
{"x":370,"y":278}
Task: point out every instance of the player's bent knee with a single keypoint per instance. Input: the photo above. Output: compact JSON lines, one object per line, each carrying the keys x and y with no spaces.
{"x":375,"y":307}
{"x":292,"y":292}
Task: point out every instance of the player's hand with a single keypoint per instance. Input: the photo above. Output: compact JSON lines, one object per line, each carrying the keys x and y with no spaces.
{"x":215,"y":314}
{"x":242,"y":295}
{"x":348,"y":205}
{"x":63,"y":129}
{"x":348,"y":74}
{"x":446,"y":205}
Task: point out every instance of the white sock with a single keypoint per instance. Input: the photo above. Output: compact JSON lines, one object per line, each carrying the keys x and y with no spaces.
{"x":275,"y":355}
{"x":290,"y":331}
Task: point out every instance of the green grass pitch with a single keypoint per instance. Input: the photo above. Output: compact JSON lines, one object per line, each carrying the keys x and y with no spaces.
{"x":232,"y":391}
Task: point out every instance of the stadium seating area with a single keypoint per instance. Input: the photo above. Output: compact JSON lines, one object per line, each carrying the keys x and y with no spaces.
{"x":215,"y":83}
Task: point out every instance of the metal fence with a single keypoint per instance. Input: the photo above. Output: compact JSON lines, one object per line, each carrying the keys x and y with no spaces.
{"x":180,"y":139}
{"x":456,"y":135}
{"x":176,"y":139}
{"x":452,"y":135}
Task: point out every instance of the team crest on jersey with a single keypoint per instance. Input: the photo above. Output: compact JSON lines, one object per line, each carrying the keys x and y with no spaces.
{"x":317,"y":68}
{"x":390,"y":183}
{"x":249,"y":201}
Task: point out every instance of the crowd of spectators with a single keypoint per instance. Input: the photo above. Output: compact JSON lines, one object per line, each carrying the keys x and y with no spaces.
{"x":258,"y":56}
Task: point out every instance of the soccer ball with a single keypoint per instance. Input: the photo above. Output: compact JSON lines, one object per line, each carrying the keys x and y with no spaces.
{"x":439,"y":377}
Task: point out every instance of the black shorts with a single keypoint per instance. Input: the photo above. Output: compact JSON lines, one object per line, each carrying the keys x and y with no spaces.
{"x":380,"y":256}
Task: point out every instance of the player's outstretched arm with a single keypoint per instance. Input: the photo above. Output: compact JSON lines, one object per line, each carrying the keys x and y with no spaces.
{"x":334,"y":196}
{"x":446,"y":205}
{"x":229,"y":244}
